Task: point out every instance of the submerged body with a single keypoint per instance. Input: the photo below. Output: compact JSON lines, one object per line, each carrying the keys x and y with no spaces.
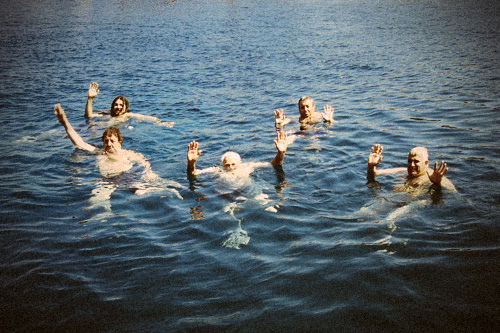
{"x":419,"y":175}
{"x":234,"y":182}
{"x":113,"y":160}
{"x":422,"y":185}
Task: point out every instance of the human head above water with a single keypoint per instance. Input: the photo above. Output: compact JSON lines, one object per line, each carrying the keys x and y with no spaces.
{"x":110,"y":131}
{"x":306,"y":106}
{"x":418,"y":160}
{"x":306,"y":98}
{"x":230,"y":161}
{"x":119,"y":106}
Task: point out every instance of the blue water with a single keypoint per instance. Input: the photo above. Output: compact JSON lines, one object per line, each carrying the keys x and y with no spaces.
{"x":338,"y":255}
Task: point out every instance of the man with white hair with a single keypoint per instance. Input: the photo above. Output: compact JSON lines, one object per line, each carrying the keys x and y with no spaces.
{"x":419,"y":173}
{"x":231,"y":161}
{"x":235,"y":184}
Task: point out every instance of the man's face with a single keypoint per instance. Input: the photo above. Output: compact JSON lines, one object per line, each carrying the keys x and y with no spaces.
{"x":111,"y":144}
{"x":230,"y":163}
{"x":118,"y":107}
{"x":417,"y":165}
{"x":306,"y":108}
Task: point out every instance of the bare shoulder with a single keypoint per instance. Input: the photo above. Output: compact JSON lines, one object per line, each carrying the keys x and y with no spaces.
{"x":447,"y":184}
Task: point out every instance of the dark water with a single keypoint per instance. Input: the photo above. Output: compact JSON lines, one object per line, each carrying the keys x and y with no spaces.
{"x":338,"y":255}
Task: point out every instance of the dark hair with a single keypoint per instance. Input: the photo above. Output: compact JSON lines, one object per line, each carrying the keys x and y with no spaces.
{"x":110,"y":131}
{"x":125,"y":105}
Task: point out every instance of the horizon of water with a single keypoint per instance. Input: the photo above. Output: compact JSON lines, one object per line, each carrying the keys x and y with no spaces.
{"x":337,"y":254}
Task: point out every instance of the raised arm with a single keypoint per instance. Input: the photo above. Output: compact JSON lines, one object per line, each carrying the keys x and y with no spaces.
{"x":279,"y":118}
{"x":281,"y":146}
{"x":93,"y":92}
{"x":73,"y":136}
{"x":437,"y":176}
{"x":328,"y":114}
{"x":192,"y":156}
{"x":374,"y":159}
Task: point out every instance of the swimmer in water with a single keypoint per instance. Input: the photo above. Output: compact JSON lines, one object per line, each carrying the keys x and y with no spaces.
{"x":308,"y":115}
{"x":119,"y":109}
{"x":112,"y":160}
{"x":420,"y":181}
{"x":235,"y":176}
{"x":419,"y":176}
{"x":231,"y":161}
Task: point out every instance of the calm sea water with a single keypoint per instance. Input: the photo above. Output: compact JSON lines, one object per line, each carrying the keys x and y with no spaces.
{"x":338,"y":255}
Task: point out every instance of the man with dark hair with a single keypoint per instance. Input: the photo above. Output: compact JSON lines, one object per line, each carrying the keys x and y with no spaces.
{"x":112,"y":160}
{"x":119,"y":109}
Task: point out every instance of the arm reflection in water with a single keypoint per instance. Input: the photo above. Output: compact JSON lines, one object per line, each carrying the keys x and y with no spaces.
{"x":113,"y":161}
{"x":235,"y":185}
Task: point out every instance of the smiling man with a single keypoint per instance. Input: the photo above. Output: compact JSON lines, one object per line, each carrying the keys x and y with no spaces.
{"x":231,"y":161}
{"x":119,"y":109}
{"x":419,"y":173}
{"x":112,"y":159}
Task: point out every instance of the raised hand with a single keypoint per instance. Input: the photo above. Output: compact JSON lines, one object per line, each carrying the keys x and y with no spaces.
{"x":93,"y":89}
{"x":192,"y":152}
{"x":280,"y":142}
{"x":60,"y":114}
{"x":279,"y":117}
{"x":375,"y":156}
{"x":328,"y":114}
{"x":438,"y":173}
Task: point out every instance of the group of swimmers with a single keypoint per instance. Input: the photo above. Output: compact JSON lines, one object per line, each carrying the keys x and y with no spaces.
{"x":113,"y":159}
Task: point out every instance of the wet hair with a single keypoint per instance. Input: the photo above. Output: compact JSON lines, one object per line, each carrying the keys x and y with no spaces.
{"x":110,"y":131}
{"x":125,"y":104}
{"x":305,"y":98}
{"x":228,"y":154}
{"x":422,"y":151}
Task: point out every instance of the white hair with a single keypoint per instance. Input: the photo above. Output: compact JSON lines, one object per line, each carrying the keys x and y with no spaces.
{"x":230,"y":154}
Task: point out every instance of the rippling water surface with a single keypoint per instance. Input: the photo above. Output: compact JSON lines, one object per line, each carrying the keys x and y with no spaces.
{"x":337,"y":254}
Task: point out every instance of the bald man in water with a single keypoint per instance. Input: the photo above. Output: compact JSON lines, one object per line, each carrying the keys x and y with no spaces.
{"x":419,"y":176}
